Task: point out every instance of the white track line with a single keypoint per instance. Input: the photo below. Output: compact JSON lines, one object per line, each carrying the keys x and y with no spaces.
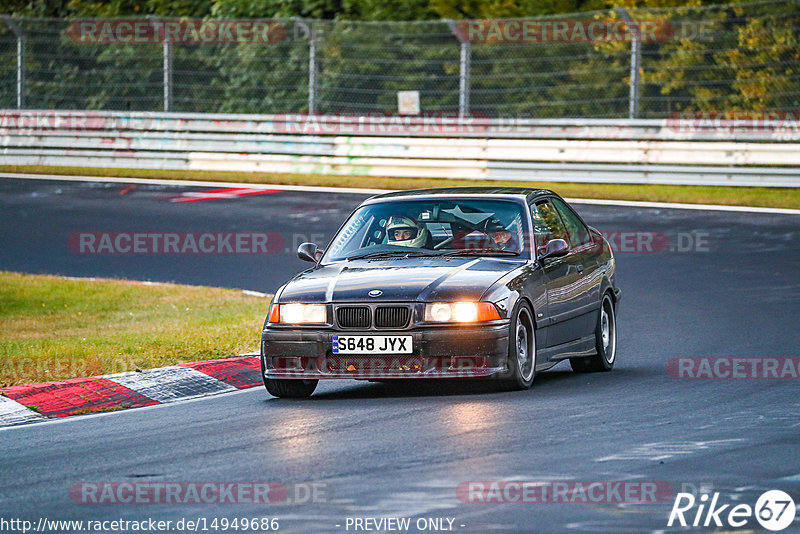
{"x":671,"y":205}
{"x":360,"y":191}
{"x":193,"y":183}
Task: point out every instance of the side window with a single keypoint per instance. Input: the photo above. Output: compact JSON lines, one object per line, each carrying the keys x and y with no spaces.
{"x":578,"y":233}
{"x":547,"y":224}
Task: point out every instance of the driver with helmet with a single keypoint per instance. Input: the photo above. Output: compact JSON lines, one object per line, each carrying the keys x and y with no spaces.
{"x":406,"y":232}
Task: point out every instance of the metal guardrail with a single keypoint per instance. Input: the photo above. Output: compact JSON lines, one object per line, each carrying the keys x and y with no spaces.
{"x":692,"y":127}
{"x":622,"y":151}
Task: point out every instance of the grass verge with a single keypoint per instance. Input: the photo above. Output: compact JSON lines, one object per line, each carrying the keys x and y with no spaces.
{"x":771,"y":197}
{"x":52,"y":328}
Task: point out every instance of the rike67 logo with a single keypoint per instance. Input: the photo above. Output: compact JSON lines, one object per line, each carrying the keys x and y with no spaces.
{"x":774,"y":510}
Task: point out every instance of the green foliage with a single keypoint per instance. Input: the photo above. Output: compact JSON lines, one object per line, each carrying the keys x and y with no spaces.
{"x":737,"y":56}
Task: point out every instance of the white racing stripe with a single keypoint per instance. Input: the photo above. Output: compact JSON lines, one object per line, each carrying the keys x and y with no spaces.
{"x":363,"y":191}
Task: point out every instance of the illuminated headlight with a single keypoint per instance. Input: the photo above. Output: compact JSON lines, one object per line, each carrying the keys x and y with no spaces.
{"x":460,"y":312}
{"x":298,"y":313}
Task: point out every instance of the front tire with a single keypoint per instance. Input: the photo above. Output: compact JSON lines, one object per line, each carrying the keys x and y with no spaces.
{"x":287,"y":389}
{"x":290,"y":389}
{"x":605,"y":335}
{"x":521,"y":349}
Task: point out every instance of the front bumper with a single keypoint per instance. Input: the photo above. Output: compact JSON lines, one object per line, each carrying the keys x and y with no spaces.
{"x":438,"y":352}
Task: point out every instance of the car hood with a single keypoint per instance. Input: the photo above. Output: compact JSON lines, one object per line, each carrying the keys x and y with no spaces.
{"x":405,"y":279}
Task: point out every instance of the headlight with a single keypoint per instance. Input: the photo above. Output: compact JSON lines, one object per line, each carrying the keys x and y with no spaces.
{"x":460,"y":312}
{"x":298,"y":314}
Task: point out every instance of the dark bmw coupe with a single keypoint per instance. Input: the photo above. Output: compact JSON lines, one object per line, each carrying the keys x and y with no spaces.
{"x":446,"y":283}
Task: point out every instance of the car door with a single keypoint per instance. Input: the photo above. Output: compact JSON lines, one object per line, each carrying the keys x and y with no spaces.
{"x":582,"y":251}
{"x":562,"y":274}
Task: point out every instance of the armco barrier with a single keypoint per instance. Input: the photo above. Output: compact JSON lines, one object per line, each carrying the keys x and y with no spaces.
{"x":623,"y":151}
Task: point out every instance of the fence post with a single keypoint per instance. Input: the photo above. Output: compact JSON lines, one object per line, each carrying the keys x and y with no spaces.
{"x":311,"y":32}
{"x":636,"y":55}
{"x":166,"y":65}
{"x":167,"y":75}
{"x":464,"y":67}
{"x":312,"y":68}
{"x":14,"y":27}
{"x":463,"y":79}
{"x":312,"y":71}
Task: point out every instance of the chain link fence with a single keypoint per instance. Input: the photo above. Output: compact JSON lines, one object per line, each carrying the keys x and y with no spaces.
{"x":594,"y":64}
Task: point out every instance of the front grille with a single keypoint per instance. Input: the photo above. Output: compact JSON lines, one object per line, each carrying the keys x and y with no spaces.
{"x":392,"y":316}
{"x":353,"y":316}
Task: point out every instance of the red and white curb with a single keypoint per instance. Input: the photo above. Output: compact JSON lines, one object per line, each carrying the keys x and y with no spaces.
{"x":31,"y":403}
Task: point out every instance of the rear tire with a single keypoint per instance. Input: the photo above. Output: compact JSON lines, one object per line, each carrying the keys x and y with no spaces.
{"x":521,"y":349}
{"x":605,"y":334}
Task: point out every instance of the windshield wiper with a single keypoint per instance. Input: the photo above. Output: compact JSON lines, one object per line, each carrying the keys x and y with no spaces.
{"x":481,"y":252}
{"x":387,"y":253}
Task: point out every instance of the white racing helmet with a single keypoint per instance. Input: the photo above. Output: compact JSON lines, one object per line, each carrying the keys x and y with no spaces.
{"x":406,"y":232}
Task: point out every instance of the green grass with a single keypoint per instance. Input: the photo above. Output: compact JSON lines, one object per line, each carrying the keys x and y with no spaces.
{"x":691,"y":194}
{"x":53,"y":328}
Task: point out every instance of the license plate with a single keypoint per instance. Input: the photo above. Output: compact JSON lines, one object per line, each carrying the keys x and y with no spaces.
{"x":371,"y":344}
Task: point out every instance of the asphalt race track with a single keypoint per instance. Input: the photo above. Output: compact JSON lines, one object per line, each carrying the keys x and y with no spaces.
{"x":725,"y":284}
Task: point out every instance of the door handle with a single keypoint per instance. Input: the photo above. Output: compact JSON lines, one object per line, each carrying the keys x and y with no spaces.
{"x":580,"y":269}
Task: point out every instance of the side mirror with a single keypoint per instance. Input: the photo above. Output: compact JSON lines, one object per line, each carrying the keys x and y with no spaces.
{"x":309,"y":252}
{"x":555,"y":248}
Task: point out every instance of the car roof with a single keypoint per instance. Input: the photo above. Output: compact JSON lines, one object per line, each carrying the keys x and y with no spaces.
{"x":518,"y":192}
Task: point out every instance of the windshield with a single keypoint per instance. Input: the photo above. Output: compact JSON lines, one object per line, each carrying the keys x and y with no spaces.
{"x":431,"y":228}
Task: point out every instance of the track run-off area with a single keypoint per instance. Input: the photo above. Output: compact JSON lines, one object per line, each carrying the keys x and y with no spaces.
{"x":698,"y":285}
